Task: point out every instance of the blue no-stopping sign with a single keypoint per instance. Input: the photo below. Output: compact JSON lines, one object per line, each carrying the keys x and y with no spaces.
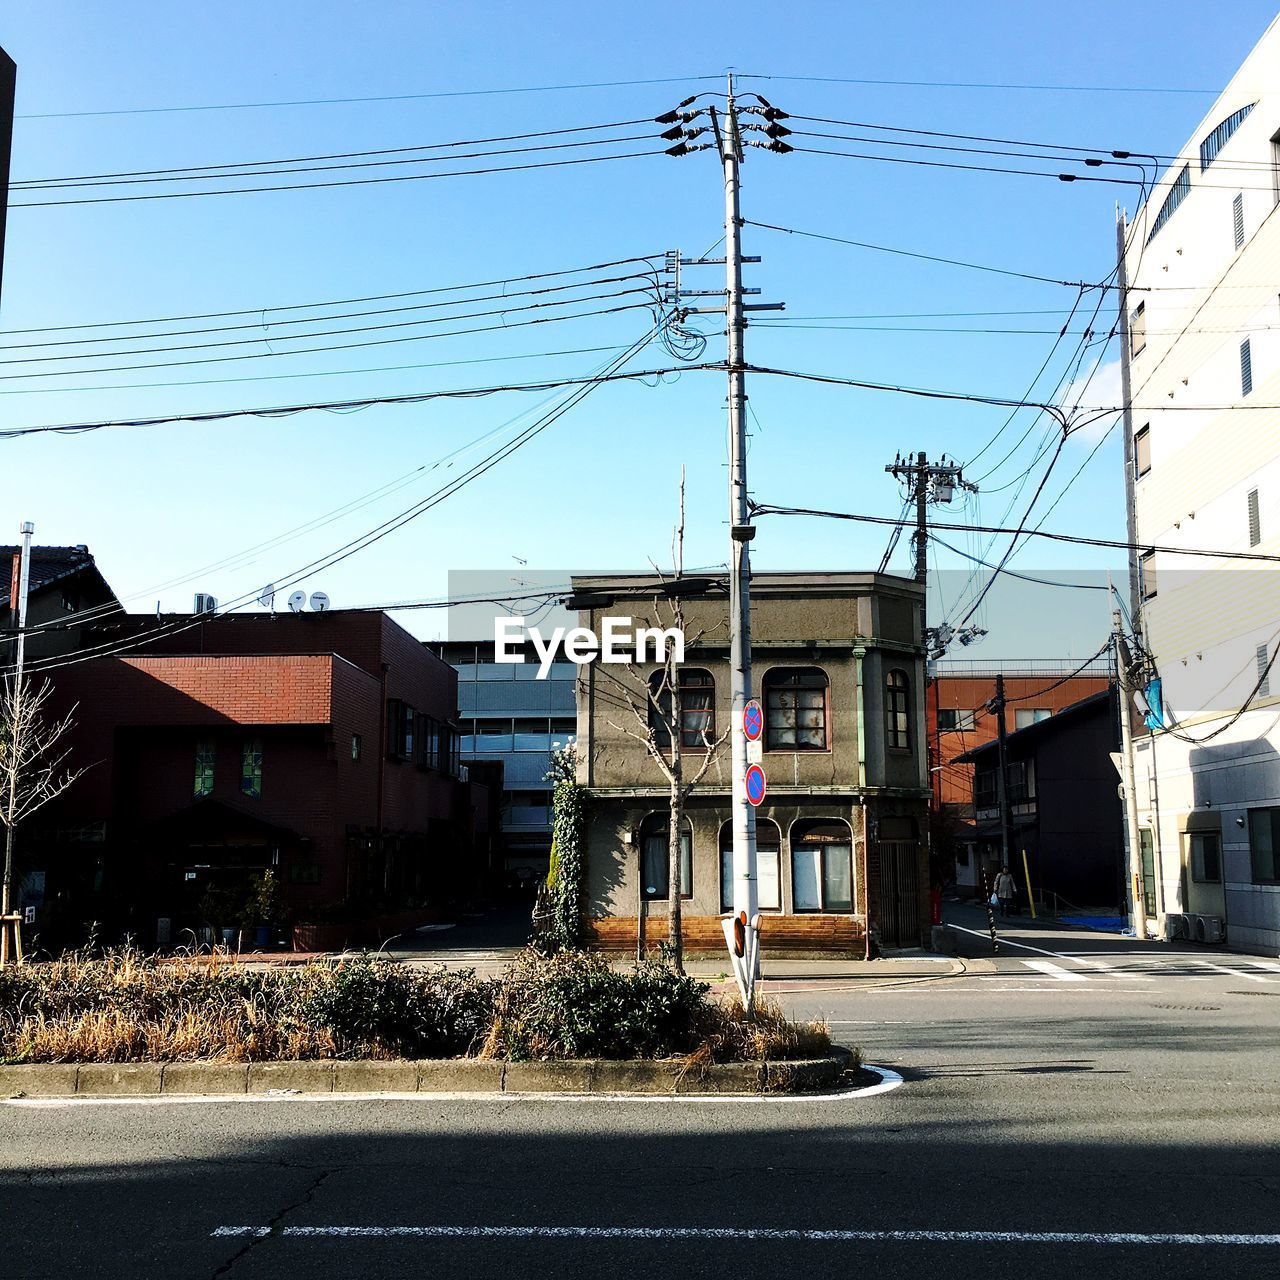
{"x":756,"y":784}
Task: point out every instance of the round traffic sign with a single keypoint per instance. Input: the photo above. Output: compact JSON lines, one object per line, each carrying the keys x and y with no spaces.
{"x":752,"y":721}
{"x":756,"y":784}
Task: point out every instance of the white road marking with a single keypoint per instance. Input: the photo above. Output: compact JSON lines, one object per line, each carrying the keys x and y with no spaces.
{"x":1269,"y":965}
{"x":785,"y":1234}
{"x":1054,"y":970}
{"x":1025,"y":946}
{"x":1234,"y":973}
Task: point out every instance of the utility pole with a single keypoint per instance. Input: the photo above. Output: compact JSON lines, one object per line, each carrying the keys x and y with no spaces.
{"x":741,"y":932}
{"x":10,"y":921}
{"x":1137,"y":893}
{"x":938,"y":482}
{"x":997,"y":704}
{"x":1126,"y":398}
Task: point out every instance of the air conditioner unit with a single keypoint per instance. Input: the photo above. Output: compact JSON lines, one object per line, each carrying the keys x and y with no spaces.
{"x":205,"y":603}
{"x":1177,"y":927}
{"x":1208,"y":928}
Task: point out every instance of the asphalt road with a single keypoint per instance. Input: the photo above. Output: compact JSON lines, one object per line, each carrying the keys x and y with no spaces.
{"x":1105,"y":1123}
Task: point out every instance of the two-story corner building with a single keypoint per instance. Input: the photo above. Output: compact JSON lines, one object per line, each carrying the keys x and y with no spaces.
{"x":837,"y":664}
{"x":1064,"y":808}
{"x":1203,"y":473}
{"x":66,"y":592}
{"x":321,"y":745}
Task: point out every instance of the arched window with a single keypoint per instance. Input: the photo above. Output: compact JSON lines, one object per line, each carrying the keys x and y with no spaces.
{"x":654,"y":858}
{"x":768,"y":856}
{"x":697,"y":707}
{"x":822,"y":866}
{"x":897,"y":711}
{"x":795,"y":709}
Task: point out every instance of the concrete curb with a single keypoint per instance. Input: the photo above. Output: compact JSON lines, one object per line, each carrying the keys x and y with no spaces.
{"x":449,"y":1075}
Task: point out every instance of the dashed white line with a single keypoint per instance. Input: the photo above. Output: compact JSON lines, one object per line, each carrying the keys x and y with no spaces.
{"x":784,"y":1234}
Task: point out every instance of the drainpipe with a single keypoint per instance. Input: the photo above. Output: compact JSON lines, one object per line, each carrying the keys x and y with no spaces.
{"x":859,"y":653}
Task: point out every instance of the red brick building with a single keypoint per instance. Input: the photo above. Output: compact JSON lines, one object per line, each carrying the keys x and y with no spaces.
{"x":957,"y":721}
{"x":322,"y":746}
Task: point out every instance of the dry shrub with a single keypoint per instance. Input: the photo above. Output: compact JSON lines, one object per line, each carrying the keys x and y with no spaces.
{"x":728,"y":1035}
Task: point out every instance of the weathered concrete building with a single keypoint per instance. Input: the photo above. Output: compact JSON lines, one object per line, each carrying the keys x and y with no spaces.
{"x":838,"y":669}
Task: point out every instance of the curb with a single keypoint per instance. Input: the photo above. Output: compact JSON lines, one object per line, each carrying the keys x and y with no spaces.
{"x":444,"y":1075}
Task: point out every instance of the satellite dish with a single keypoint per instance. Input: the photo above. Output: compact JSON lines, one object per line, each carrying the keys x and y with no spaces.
{"x":268,"y":597}
{"x":297,"y":600}
{"x":319,"y":601}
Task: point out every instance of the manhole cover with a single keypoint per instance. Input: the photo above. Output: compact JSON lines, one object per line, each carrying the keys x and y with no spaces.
{"x":1193,"y":1008}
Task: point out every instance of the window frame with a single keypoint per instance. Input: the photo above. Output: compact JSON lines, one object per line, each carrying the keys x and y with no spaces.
{"x":777,"y":680}
{"x":804,"y":843}
{"x":251,"y":768}
{"x":1196,"y":860}
{"x":1141,"y":449}
{"x":688,"y":680}
{"x":898,"y":737}
{"x":1253,"y":507}
{"x":1237,"y":220}
{"x":657,"y":826}
{"x":1138,"y":330}
{"x":1246,"y":368}
{"x":1272,"y":813}
{"x":206,"y":767}
{"x":726,"y":848}
{"x":1147,"y":575}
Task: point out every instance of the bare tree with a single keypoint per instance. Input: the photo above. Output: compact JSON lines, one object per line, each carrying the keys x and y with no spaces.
{"x":657,"y":707}
{"x":33,"y":770}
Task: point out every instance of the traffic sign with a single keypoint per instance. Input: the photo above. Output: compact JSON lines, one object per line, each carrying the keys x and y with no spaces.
{"x":756,"y":784}
{"x":752,"y":721}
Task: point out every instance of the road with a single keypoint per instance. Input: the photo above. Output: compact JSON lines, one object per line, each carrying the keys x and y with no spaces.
{"x":1100,"y":1105}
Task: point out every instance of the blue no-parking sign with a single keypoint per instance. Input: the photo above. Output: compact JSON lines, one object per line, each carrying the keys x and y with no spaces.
{"x":756,"y":784}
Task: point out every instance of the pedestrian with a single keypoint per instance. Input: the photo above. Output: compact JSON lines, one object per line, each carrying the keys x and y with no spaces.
{"x":1005,"y":890}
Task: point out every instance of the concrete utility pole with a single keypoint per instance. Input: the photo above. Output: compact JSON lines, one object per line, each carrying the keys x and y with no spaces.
{"x":1126,"y":397}
{"x":1137,"y":893}
{"x":746,"y":894}
{"x":937,"y":481}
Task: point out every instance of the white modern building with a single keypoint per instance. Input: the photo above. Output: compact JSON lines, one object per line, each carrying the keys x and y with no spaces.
{"x":1202,"y":260}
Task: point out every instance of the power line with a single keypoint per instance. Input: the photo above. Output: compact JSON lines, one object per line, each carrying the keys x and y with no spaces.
{"x":342,"y":302}
{"x":339,"y":406}
{"x":1071,"y":675}
{"x":967,"y":84}
{"x":342,"y":346}
{"x":345,"y":182}
{"x":325,"y":102}
{"x":1011,"y":573}
{"x":194,"y":171}
{"x":269,"y":338}
{"x":769,"y":509}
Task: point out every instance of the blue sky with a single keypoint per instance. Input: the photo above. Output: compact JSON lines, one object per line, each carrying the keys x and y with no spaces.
{"x":597,"y":489}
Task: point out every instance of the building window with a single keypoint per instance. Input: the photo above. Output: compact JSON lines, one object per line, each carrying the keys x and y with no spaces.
{"x":1255,"y":519}
{"x":1138,"y":329}
{"x":1264,"y":845}
{"x":1025,"y":716}
{"x":1206,"y":857}
{"x":1142,"y":451}
{"x":654,"y":856}
{"x":1022,"y":781}
{"x":429,"y":742}
{"x":821,"y":866}
{"x":795,"y":707}
{"x":355,"y":746}
{"x":1246,"y":368}
{"x":251,"y":769}
{"x":1219,"y":138}
{"x":1264,"y":674}
{"x":985,"y":794}
{"x":1237,"y":220}
{"x":953,"y":720}
{"x":1147,"y":574}
{"x":566,"y":726}
{"x":897,"y":711}
{"x":697,"y":707}
{"x":768,"y":864}
{"x":1177,"y":194}
{"x":206,"y":757}
{"x":400,"y":727}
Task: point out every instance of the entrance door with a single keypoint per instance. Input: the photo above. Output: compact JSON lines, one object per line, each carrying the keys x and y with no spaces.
{"x":1147,"y":849}
{"x":899,"y":915}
